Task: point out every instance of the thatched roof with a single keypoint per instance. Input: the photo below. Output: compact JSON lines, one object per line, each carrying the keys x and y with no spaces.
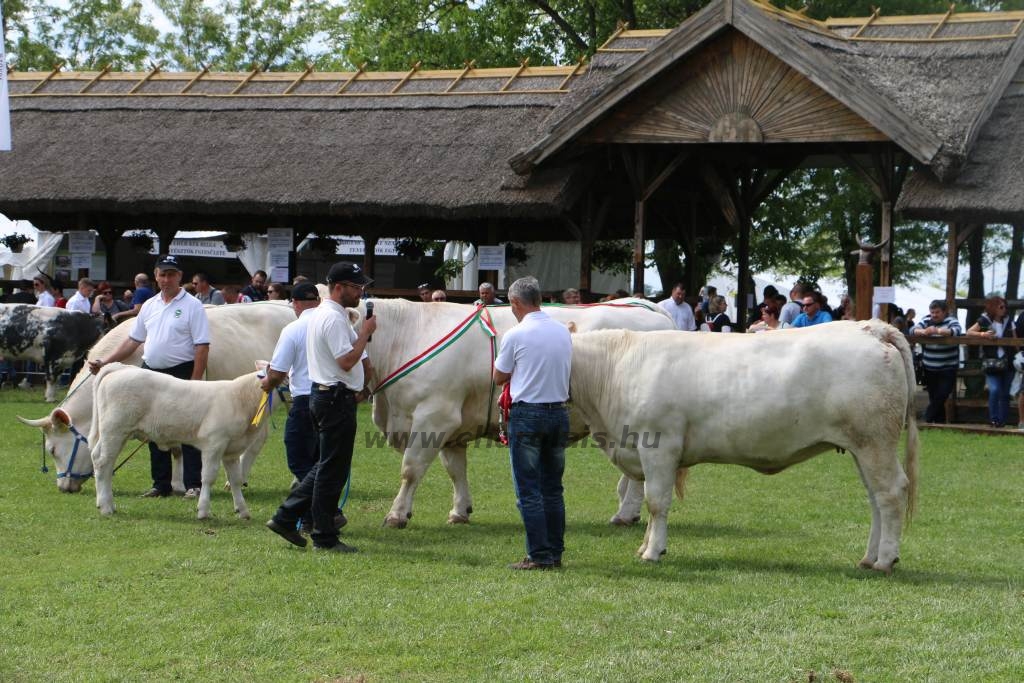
{"x":417,"y":153}
{"x":433,"y":151}
{"x":923,"y":81}
{"x":990,"y":188}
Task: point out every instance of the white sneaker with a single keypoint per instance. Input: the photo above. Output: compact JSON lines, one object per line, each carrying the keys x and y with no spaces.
{"x":192,"y":493}
{"x":1021,"y":426}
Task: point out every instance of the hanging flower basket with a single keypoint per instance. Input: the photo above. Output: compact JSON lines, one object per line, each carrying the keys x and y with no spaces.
{"x":412,"y":249}
{"x":15,"y":241}
{"x":325,"y":246}
{"x":234,"y":243}
{"x":140,"y":242}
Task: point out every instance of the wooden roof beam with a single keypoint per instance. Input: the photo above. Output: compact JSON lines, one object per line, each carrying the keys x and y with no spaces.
{"x":145,"y":79}
{"x":870,"y":20}
{"x":623,"y":26}
{"x":406,"y":77}
{"x":298,"y":81}
{"x":195,"y":79}
{"x":351,"y":79}
{"x":245,"y":81}
{"x":942,"y":22}
{"x":95,"y":79}
{"x":40,"y":84}
{"x":576,"y":70}
{"x":522,"y":67}
{"x":462,"y":74}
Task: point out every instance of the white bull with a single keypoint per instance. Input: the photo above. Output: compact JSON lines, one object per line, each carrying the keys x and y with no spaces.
{"x":239,"y":336}
{"x":448,"y":402}
{"x":795,"y":393}
{"x":216,"y":417}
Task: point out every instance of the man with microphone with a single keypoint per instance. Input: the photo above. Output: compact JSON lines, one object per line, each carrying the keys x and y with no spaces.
{"x":334,"y":353}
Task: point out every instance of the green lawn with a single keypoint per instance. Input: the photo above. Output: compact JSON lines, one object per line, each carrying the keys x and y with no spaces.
{"x":759,"y":583}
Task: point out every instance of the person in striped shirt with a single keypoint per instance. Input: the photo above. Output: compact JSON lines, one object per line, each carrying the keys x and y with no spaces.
{"x":941,"y":361}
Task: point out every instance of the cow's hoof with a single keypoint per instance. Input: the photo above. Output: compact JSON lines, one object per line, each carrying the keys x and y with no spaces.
{"x":227,"y":486}
{"x":885,"y":568}
{"x":651,"y":557}
{"x":458,"y":519}
{"x":106,"y":511}
{"x":243,"y":514}
{"x":619,"y":521}
{"x":203,"y":515}
{"x":393,"y":522}
{"x":866,"y":563}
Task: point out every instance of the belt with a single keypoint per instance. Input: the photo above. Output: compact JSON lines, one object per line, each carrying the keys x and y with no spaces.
{"x":333,"y":388}
{"x":558,"y":404}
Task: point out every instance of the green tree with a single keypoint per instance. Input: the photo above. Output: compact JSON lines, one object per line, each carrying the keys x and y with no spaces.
{"x":97,"y":33}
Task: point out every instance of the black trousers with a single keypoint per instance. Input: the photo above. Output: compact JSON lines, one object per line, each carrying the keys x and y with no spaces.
{"x":334,"y":414}
{"x":192,"y":458}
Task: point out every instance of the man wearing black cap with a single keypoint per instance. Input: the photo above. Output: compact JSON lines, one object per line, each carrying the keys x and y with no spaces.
{"x":176,"y":333}
{"x":334,"y":352}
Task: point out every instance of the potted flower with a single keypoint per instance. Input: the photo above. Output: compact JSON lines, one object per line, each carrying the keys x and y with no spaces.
{"x":140,"y":242}
{"x":233,"y":242}
{"x":15,"y":241}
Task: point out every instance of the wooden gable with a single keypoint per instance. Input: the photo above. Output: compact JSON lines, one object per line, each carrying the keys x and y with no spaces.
{"x":733,"y":90}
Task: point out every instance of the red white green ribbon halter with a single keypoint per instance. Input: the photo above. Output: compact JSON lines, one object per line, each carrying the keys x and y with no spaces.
{"x":479,"y":316}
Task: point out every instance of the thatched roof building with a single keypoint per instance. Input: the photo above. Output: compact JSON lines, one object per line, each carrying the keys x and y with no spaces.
{"x":487,"y":154}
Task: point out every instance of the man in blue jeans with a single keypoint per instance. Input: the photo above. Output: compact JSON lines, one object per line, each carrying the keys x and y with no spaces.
{"x":535,"y":356}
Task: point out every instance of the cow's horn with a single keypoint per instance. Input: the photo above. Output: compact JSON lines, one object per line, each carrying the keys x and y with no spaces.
{"x":42,"y":422}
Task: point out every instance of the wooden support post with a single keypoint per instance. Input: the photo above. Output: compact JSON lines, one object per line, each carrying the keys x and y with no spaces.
{"x":865,"y":290}
{"x":639,"y":221}
{"x":743,"y":277}
{"x":885,"y":261}
{"x":952,"y":263}
{"x":369,"y":255}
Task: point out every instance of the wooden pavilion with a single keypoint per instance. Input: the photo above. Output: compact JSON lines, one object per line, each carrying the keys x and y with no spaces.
{"x":677,"y":134}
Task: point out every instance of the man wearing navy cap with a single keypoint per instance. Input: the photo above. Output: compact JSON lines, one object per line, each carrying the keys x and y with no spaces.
{"x":334,"y":353}
{"x":176,"y":333}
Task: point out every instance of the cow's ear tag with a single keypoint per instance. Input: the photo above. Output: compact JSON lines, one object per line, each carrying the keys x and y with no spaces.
{"x":61,"y":419}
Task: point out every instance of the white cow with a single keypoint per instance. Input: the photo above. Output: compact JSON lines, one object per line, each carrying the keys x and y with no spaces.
{"x":444,"y":405}
{"x":794,"y":394}
{"x":216,"y":417}
{"x":240,"y":335}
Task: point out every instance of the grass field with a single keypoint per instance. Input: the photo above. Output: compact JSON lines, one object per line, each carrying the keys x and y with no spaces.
{"x":759,"y":583}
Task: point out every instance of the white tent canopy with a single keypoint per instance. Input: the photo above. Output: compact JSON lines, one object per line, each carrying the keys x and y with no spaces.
{"x":35,"y":255}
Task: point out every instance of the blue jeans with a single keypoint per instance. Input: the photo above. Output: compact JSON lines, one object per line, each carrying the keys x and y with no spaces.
{"x":537,"y":436}
{"x":301,"y":443}
{"x":999,"y":395}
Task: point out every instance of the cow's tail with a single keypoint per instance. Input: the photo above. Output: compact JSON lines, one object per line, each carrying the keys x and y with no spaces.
{"x":681,"y":475}
{"x":891,"y":335}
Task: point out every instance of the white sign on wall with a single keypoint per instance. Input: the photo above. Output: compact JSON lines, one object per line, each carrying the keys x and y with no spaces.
{"x":279,"y":239}
{"x":491,"y":258}
{"x":81,"y":242}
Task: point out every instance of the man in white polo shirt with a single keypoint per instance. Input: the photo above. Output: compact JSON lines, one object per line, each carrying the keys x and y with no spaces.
{"x":176,"y":333}
{"x":535,"y":356}
{"x":334,"y":352}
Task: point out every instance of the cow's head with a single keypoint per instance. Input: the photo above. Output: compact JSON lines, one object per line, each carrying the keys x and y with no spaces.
{"x":68,"y":447}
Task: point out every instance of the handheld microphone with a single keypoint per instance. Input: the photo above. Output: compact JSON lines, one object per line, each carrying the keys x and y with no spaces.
{"x":369,"y":314}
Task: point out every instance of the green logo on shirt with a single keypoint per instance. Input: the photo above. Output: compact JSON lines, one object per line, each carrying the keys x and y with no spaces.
{"x":177,"y":313}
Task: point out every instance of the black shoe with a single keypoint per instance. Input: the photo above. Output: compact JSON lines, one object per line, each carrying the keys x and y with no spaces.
{"x":340,"y":520}
{"x":290,"y":535}
{"x":155,"y":493}
{"x":527,"y":564}
{"x":339,"y":548}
